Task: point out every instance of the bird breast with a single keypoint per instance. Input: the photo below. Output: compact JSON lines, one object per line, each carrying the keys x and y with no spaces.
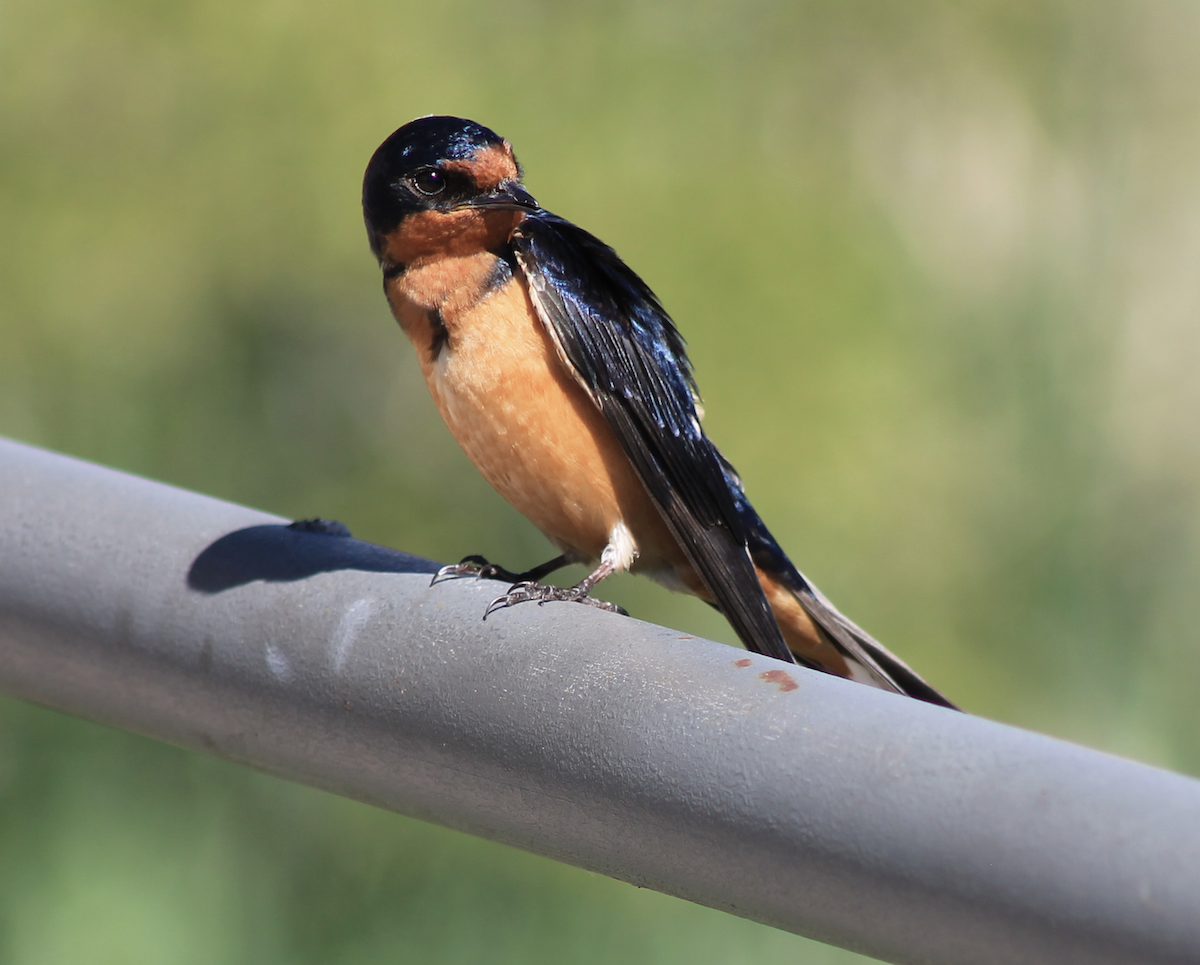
{"x":519,"y":413}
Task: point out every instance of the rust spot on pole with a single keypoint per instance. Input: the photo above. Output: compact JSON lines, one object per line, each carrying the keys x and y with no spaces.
{"x":780,"y":677}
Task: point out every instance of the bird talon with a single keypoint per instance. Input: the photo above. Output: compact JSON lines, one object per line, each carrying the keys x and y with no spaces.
{"x":511,"y":598}
{"x":446,"y":572}
{"x":476,"y":566}
{"x":541,"y":594}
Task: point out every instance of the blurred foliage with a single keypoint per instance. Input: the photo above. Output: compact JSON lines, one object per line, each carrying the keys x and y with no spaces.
{"x":937,"y":264}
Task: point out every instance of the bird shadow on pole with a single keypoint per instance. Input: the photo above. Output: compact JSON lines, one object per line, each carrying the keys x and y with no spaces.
{"x":282,"y":554}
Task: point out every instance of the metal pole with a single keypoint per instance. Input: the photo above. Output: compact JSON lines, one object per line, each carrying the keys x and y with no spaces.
{"x":856,"y":817}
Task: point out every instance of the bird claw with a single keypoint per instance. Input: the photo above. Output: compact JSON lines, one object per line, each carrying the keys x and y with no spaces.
{"x":476,"y":566}
{"x":542,"y":594}
{"x":524,"y":590}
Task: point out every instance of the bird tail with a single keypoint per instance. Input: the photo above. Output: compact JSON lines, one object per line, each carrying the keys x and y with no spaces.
{"x":820,"y":637}
{"x":817,"y":634}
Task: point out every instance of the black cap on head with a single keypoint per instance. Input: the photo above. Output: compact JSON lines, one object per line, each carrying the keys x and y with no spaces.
{"x":418,"y":144}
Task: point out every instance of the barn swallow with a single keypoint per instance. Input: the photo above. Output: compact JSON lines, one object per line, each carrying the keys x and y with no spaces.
{"x":568,"y":386}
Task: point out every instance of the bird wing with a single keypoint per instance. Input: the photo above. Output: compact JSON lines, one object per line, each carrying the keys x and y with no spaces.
{"x":623,"y":348}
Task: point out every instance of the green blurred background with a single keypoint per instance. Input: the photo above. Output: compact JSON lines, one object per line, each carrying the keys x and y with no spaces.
{"x":939,"y":267}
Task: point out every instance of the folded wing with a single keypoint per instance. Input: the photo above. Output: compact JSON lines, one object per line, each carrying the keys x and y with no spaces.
{"x":625,"y":351}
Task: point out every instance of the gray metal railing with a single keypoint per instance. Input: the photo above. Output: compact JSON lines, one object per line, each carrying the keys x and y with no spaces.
{"x":863,"y":819}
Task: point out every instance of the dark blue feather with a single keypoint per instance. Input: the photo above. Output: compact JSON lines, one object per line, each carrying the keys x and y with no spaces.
{"x":626,"y":351}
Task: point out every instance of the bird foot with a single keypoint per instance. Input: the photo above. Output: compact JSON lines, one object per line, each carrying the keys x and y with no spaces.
{"x":542,"y":594}
{"x":476,"y":566}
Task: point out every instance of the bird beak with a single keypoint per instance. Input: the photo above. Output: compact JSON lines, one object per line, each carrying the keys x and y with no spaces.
{"x":506,"y":196}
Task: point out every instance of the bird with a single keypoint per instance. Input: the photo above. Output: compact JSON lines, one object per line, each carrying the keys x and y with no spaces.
{"x":567,"y":384}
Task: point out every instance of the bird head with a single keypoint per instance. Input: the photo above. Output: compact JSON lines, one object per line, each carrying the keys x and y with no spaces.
{"x":439,"y":184}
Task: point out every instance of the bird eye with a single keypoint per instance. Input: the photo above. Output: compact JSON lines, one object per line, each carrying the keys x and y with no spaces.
{"x":429,"y":182}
